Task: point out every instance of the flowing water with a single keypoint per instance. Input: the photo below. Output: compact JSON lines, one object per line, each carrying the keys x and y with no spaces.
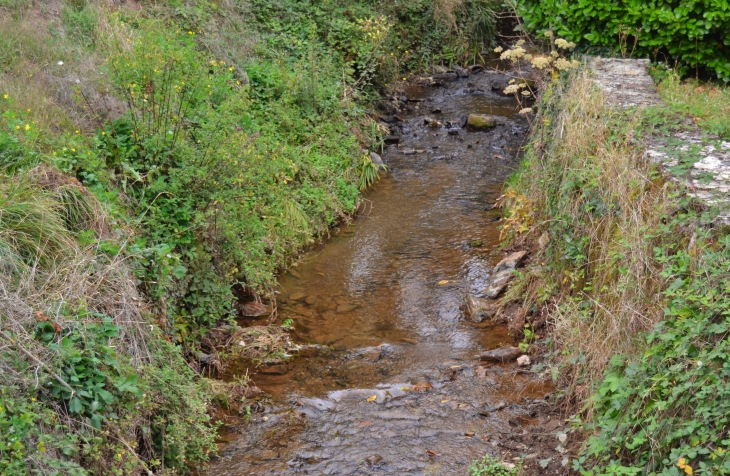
{"x":398,"y":390}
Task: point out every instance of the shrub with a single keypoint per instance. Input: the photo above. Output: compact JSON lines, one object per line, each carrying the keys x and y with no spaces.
{"x":695,"y":35}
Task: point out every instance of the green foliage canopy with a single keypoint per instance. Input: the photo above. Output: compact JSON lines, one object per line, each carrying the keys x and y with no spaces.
{"x":694,"y":34}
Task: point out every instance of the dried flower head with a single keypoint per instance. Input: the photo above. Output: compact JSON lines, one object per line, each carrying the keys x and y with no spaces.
{"x":549,"y":34}
{"x":511,"y":89}
{"x":554,"y":54}
{"x":527,"y":110}
{"x":562,"y":64}
{"x":520,"y":43}
{"x":513,"y":54}
{"x":541,"y":62}
{"x":498,"y":49}
{"x":564,"y":44}
{"x":526,"y":93}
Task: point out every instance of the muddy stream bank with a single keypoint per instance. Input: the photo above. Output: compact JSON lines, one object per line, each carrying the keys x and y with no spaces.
{"x":395,"y":387}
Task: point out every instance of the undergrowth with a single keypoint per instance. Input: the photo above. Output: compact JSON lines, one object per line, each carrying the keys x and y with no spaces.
{"x":632,"y":275}
{"x":153,"y":157}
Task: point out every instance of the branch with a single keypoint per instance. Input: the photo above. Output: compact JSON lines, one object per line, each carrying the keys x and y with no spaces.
{"x":38,"y":361}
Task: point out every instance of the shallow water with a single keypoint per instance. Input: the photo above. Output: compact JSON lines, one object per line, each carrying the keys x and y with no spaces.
{"x":384,"y":293}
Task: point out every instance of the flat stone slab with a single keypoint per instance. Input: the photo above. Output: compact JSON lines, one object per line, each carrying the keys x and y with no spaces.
{"x":626,"y":83}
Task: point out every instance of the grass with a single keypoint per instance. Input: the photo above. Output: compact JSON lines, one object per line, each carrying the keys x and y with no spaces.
{"x":629,"y":273}
{"x":153,"y":156}
{"x":594,"y":202}
{"x":707,"y":104}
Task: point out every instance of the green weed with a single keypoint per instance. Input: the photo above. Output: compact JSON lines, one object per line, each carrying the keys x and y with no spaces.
{"x":490,"y":466}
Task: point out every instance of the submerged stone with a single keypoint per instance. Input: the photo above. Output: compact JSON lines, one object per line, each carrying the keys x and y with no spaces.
{"x":480,"y":122}
{"x":501,"y":355}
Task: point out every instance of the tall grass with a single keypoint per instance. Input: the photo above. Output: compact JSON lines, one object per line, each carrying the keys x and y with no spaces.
{"x":597,"y":209}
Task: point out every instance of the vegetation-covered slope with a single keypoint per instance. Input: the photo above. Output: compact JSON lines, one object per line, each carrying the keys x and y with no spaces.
{"x":632,"y":279}
{"x":153,"y":157}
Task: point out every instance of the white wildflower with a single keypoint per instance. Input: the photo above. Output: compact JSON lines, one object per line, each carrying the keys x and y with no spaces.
{"x":526,"y":93}
{"x":549,"y":34}
{"x":564,"y":44}
{"x":60,"y":63}
{"x":520,"y":43}
{"x":563,"y":64}
{"x":522,"y":85}
{"x":528,"y":57}
{"x":527,"y":110}
{"x":511,"y":89}
{"x":498,"y":49}
{"x":541,"y":62}
{"x":512,"y":81}
{"x":513,"y":54}
{"x":554,"y":54}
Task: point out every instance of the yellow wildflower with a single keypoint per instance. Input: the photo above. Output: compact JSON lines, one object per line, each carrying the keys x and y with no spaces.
{"x":27,"y":127}
{"x":5,"y":96}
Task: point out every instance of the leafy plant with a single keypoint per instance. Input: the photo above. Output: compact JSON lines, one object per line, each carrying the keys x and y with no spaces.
{"x":667,"y":410}
{"x":491,"y":466}
{"x":92,"y":378}
{"x":693,"y":35}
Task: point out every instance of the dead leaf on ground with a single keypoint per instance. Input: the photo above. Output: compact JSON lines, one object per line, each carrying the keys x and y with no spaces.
{"x":422,"y":387}
{"x":432,"y":453}
{"x":372,"y":399}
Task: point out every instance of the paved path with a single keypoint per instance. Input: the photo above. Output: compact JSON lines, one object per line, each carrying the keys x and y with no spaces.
{"x":626,"y":83}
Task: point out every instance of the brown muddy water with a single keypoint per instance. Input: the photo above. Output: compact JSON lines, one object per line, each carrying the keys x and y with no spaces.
{"x":399,"y":391}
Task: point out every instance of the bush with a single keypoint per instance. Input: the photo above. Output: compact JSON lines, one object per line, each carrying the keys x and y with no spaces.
{"x":695,"y":35}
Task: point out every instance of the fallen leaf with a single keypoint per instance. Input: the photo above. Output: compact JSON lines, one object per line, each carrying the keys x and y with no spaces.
{"x":41,"y":317}
{"x":372,"y":399}
{"x":455,"y":367}
{"x":405,"y":389}
{"x":432,"y":453}
{"x":444,"y":281}
{"x":446,"y":400}
{"x":469,"y":434}
{"x":422,"y":387}
{"x":364,"y":423}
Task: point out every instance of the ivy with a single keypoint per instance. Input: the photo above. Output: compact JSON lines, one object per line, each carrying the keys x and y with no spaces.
{"x":668,"y":412}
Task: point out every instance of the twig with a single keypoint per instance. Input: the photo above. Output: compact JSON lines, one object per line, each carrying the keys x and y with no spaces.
{"x":38,"y":361}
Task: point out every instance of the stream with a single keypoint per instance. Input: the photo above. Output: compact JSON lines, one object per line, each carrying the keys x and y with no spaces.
{"x":397,"y":389}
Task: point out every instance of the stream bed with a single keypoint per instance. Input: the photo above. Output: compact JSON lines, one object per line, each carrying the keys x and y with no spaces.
{"x":395,"y":387}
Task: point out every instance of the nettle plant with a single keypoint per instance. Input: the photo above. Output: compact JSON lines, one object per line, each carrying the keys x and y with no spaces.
{"x":545,"y":63}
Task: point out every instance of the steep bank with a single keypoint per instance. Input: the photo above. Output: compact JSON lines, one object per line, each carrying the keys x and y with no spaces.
{"x":158,"y":160}
{"x":628,"y":281}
